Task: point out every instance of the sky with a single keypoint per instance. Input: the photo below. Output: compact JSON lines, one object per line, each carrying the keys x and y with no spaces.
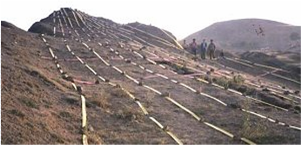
{"x":181,"y":17}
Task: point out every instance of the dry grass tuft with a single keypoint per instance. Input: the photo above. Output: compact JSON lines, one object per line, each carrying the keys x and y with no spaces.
{"x":101,"y":101}
{"x":29,"y":103}
{"x":17,"y":113}
{"x":128,"y":114}
{"x":252,"y":129}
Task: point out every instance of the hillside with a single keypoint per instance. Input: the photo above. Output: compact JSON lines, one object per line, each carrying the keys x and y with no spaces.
{"x":73,"y":78}
{"x":154,"y":31}
{"x":251,"y":34}
{"x":285,"y":60}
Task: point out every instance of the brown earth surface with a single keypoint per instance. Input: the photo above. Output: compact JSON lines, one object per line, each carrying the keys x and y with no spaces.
{"x":39,"y":105}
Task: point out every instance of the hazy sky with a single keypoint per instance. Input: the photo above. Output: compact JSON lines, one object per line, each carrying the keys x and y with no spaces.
{"x":181,"y":17}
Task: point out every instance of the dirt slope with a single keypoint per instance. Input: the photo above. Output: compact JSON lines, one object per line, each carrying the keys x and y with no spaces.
{"x":155,"y":31}
{"x":138,"y":89}
{"x":32,"y":100}
{"x":286,"y":60}
{"x":38,"y":106}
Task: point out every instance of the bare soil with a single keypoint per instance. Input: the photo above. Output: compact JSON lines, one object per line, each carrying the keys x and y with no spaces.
{"x":39,"y":106}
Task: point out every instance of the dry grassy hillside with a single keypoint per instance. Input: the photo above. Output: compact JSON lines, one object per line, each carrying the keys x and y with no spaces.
{"x":155,"y":31}
{"x":286,"y":60}
{"x":78,"y":79}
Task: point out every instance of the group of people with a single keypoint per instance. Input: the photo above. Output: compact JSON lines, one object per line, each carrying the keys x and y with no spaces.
{"x":203,"y":48}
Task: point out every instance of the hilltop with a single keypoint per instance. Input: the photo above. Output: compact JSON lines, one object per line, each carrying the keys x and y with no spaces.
{"x":155,"y":31}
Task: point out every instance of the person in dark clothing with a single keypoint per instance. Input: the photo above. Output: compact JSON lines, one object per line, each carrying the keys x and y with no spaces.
{"x":222,"y":55}
{"x":193,"y":46}
{"x":203,"y":49}
{"x":211,"y":49}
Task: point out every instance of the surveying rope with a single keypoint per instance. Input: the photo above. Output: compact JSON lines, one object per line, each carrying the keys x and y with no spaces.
{"x":137,"y":82}
{"x":159,"y":93}
{"x":231,"y":90}
{"x":64,"y":18}
{"x":175,"y":41}
{"x":83,"y":100}
{"x":61,"y":26}
{"x":162,"y":41}
{"x":193,"y":90}
{"x":290,"y":91}
{"x":173,"y":101}
{"x":141,"y":40}
{"x":200,"y":65}
{"x":261,"y":65}
{"x":66,"y":14}
{"x":221,"y":87}
{"x":264,"y":66}
{"x":128,"y":93}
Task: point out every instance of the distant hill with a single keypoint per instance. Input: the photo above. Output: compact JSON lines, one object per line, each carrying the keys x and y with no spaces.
{"x":251,"y":34}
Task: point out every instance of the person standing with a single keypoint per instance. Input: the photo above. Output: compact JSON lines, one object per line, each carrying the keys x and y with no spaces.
{"x":193,"y":46}
{"x":211,"y":49}
{"x":185,"y":45}
{"x":203,"y":49}
{"x":222,"y":55}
